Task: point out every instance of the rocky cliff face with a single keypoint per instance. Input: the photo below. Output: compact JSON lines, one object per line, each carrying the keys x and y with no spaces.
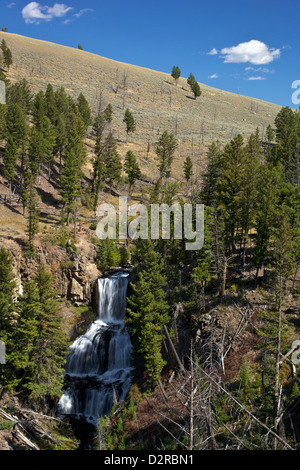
{"x":74,"y":275}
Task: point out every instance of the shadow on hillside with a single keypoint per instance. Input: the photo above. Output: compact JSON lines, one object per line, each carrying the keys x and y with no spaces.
{"x":47,"y":198}
{"x":13,"y":208}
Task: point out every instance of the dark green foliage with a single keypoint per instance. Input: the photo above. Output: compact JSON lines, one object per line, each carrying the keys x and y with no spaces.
{"x":84,"y":110}
{"x":195,"y":87}
{"x":32,"y":218}
{"x":112,"y":167}
{"x":165,"y":149}
{"x":38,"y":108}
{"x":191,"y":79}
{"x":10,"y":159}
{"x":16,"y":124}
{"x":6,"y":53}
{"x":41,"y":145}
{"x":231,"y":187}
{"x":20,"y":93}
{"x":131,"y":169}
{"x":7,"y":290}
{"x":101,"y":121}
{"x":211,"y":176}
{"x":36,"y":364}
{"x":108,"y":255}
{"x":148,"y":311}
{"x":188,"y":168}
{"x":176,"y":73}
{"x":71,"y":173}
{"x":129,"y":121}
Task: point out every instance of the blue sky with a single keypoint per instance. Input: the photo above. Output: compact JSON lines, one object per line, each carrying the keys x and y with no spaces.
{"x":247,"y":47}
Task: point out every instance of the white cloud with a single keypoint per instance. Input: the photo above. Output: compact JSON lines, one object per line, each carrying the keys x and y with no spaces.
{"x":256,"y":78}
{"x":35,"y":12}
{"x":255,"y":52}
{"x":11,"y":5}
{"x":214,"y":51}
{"x":215,"y":75}
{"x":82,"y":12}
{"x":260,"y":69}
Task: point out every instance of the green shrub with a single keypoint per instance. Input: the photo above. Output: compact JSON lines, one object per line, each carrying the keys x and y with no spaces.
{"x":6,"y":425}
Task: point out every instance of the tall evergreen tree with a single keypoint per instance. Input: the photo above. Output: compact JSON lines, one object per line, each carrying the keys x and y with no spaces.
{"x":231,"y":187}
{"x":10,"y":160}
{"x":84,"y":110}
{"x":7,"y":290}
{"x":129,"y":121}
{"x":50,"y":104}
{"x":71,"y":175}
{"x":111,"y":160}
{"x":211,"y":176}
{"x":32,"y":218}
{"x":16,"y":124}
{"x":165,"y":149}
{"x":148,"y":312}
{"x":188,"y":168}
{"x":50,"y":347}
{"x":176,"y":73}
{"x":132,"y":169}
{"x":20,"y":93}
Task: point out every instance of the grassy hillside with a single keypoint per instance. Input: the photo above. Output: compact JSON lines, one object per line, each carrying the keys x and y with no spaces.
{"x":152,"y":97}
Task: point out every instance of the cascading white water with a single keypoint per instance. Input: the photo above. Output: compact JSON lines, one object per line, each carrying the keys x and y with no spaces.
{"x":98,"y":365}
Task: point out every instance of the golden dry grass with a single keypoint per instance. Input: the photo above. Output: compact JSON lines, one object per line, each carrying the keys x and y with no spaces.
{"x":156,"y":103}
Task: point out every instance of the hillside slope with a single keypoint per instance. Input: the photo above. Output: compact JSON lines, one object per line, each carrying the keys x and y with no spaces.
{"x":152,"y":97}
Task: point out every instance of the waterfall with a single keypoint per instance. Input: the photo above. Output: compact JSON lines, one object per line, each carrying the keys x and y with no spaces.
{"x":98,"y":364}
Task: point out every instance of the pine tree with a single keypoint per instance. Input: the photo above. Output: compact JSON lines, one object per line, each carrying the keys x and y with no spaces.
{"x":269,"y":189}
{"x":41,"y":146}
{"x":48,"y":357}
{"x":195,"y":87}
{"x":50,"y":105}
{"x":165,"y":149}
{"x":176,"y":73}
{"x":46,"y":136}
{"x":129,"y":121}
{"x":100,"y":123}
{"x":148,"y":312}
{"x":7,"y":288}
{"x":20,"y":93}
{"x":230,"y":188}
{"x":249,"y":191}
{"x":16,"y":124}
{"x":111,"y":160}
{"x":8,"y":60}
{"x":7,"y":55}
{"x":2,"y":120}
{"x":211,"y":176}
{"x":38,"y":108}
{"x":61,"y":137}
{"x":32,"y":218}
{"x":191,"y":79}
{"x":202,"y":271}
{"x":71,"y":175}
{"x":38,"y":345}
{"x":10,"y":160}
{"x":23,"y":337}
{"x":132,"y":169}
{"x":84,"y":110}
{"x":188,"y":168}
